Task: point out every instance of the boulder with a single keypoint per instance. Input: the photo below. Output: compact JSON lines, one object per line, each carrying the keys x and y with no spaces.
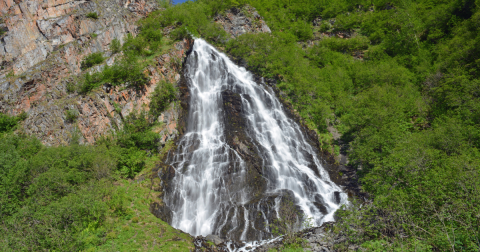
{"x":215,"y":239}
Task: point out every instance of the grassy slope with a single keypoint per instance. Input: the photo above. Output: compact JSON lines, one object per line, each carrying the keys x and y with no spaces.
{"x":140,"y":230}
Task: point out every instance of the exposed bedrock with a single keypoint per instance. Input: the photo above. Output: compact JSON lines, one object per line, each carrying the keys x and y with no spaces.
{"x":40,"y":56}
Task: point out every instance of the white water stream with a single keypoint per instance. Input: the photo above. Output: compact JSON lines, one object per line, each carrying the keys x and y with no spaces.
{"x":209,"y":188}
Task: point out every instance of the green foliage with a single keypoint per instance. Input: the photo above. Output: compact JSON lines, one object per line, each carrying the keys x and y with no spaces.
{"x":71,"y":87}
{"x":92,"y":15}
{"x":163,"y":3}
{"x":64,"y":198}
{"x":356,"y":43}
{"x":49,"y":193}
{"x":408,"y":104}
{"x":192,"y":18}
{"x":91,"y":60}
{"x":9,"y":123}
{"x":129,"y":69}
{"x":162,"y":96}
{"x":115,"y":46}
{"x":145,"y":44}
{"x":133,"y":145}
{"x":71,"y":115}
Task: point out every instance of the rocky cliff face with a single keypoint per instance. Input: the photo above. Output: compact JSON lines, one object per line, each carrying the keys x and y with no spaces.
{"x":240,"y":21}
{"x":40,"y":56}
{"x":36,"y":28}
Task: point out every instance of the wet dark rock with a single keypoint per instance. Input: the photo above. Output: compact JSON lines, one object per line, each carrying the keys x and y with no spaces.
{"x":215,"y":239}
{"x":161,"y":211}
{"x":336,"y":196}
{"x":202,"y":245}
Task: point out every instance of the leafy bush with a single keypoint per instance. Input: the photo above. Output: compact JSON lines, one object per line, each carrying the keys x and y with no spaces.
{"x":162,"y":96}
{"x":115,"y":46}
{"x":71,"y":115}
{"x":345,"y":45}
{"x":92,"y":15}
{"x":71,"y":87}
{"x":145,"y":44}
{"x":406,"y":109}
{"x":9,"y":123}
{"x":127,"y":70}
{"x":49,"y":193}
{"x":192,"y":18}
{"x":62,"y":198}
{"x":91,"y":60}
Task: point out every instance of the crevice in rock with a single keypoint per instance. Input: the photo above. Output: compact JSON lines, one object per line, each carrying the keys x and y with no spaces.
{"x":40,"y":30}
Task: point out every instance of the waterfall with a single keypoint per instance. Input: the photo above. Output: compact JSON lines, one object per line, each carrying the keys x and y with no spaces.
{"x":212,"y":190}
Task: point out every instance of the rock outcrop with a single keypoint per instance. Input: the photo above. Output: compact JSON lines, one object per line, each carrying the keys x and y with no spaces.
{"x":240,"y":21}
{"x":36,"y":28}
{"x":100,"y":112}
{"x":41,"y":54}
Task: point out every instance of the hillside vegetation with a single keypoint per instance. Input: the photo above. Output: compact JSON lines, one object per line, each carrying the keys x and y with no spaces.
{"x":404,"y":91}
{"x":398,"y":79}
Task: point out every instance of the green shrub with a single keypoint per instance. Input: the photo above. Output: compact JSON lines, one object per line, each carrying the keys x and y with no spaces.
{"x":71,"y":87}
{"x":90,"y":81}
{"x":71,"y":115}
{"x":115,"y":46}
{"x":355,"y":43}
{"x":57,"y":185}
{"x":145,"y":44}
{"x":164,"y":3}
{"x":92,"y":15}
{"x":9,"y":123}
{"x":127,"y":70}
{"x":162,"y":96}
{"x":91,"y":60}
{"x":325,"y":26}
{"x":192,"y":18}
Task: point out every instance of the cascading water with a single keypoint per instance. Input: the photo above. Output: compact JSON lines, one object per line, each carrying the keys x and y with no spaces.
{"x":211,"y":192}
